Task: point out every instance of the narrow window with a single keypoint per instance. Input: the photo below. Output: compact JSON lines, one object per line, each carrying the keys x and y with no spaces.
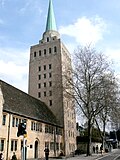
{"x":44,"y":51}
{"x":2,"y":145}
{"x":40,"y":127}
{"x":50,"y":84}
{"x":44,"y":94}
{"x":4,"y":120}
{"x":50,"y":75}
{"x":19,"y":121}
{"x":15,"y":145}
{"x":16,"y":122}
{"x":39,"y":68}
{"x":44,"y":67}
{"x":32,"y":126}
{"x":46,"y":129}
{"x":47,"y":39}
{"x":50,"y":102}
{"x":39,"y":77}
{"x":50,"y":66}
{"x":44,"y":75}
{"x":39,"y":94}
{"x":44,"y":84}
{"x":12,"y":143}
{"x":39,"y":85}
{"x":36,"y":126}
{"x":40,"y":53}
{"x":13,"y":122}
{"x":34,"y":54}
{"x":50,"y":50}
{"x":55,"y":49}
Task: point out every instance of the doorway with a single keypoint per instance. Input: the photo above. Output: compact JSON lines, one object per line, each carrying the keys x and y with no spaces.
{"x":36,"y":150}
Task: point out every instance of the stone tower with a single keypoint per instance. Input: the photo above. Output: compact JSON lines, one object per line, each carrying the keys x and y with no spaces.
{"x":49,"y":60}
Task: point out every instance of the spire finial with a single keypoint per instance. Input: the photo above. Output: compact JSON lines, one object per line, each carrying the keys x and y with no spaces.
{"x":51,"y":24}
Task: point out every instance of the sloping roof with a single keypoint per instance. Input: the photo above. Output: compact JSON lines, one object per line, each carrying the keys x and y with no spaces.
{"x":20,"y":103}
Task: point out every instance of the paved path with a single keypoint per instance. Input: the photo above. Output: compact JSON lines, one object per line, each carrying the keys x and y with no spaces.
{"x":93,"y":157}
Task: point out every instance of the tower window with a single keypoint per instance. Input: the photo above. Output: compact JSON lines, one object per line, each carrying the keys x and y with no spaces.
{"x":44,"y":75}
{"x":39,"y":94}
{"x":44,"y":51}
{"x":47,"y":39}
{"x":50,"y":50}
{"x":50,"y":75}
{"x":55,"y":49}
{"x":34,"y":54}
{"x":39,"y":85}
{"x":44,"y":67}
{"x":40,"y":53}
{"x":50,"y":102}
{"x":50,"y":84}
{"x":44,"y":94}
{"x":39,"y":68}
{"x":50,"y":66}
{"x":44,"y":84}
{"x":39,"y":77}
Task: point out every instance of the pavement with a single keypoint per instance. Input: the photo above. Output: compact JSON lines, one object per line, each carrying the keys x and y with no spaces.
{"x":84,"y":157}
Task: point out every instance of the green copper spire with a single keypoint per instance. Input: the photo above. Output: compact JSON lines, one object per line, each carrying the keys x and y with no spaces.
{"x":51,"y":24}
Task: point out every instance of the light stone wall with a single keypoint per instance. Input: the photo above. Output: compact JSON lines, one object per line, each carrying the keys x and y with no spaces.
{"x":61,"y":106}
{"x":55,"y":60}
{"x":69,"y":105}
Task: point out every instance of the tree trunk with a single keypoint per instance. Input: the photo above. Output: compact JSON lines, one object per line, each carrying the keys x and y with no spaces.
{"x":89,"y":138}
{"x":103,"y":142}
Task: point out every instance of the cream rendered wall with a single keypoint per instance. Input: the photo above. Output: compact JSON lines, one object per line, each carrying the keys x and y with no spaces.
{"x":32,"y":136}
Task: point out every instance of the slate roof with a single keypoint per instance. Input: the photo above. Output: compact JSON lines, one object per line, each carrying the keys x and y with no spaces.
{"x":22,"y":104}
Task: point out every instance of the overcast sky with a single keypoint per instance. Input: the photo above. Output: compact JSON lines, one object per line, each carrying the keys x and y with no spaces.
{"x":22,"y":23}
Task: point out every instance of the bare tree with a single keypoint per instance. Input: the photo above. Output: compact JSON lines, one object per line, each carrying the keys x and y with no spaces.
{"x":109,"y":101}
{"x":115,"y":109}
{"x":85,"y":83}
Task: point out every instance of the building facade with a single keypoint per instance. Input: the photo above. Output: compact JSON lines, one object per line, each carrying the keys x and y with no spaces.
{"x":49,"y":62}
{"x":42,"y":127}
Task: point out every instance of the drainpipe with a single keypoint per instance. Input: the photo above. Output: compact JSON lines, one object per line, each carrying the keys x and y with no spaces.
{"x":54,"y":132}
{"x":8,"y":138}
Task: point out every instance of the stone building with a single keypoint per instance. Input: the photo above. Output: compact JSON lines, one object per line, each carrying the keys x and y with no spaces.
{"x":48,"y":111}
{"x":49,"y":62}
{"x":43,"y":129}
